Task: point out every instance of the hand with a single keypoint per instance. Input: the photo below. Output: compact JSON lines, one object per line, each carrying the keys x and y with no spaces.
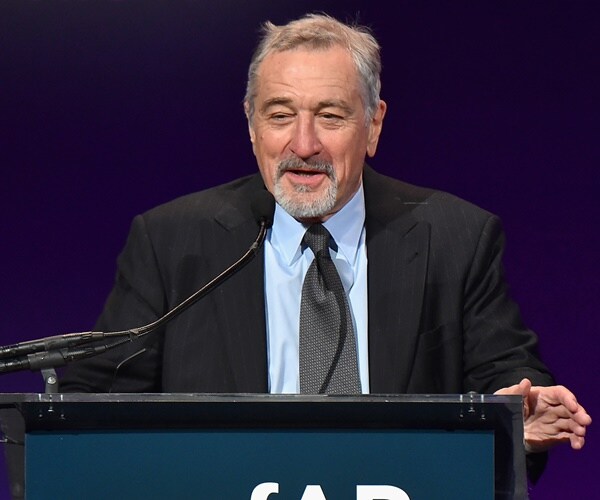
{"x":552,"y":415}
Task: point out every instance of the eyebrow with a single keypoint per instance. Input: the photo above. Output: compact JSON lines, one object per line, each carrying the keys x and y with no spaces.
{"x":333,"y":103}
{"x":275,"y":101}
{"x":285,"y":101}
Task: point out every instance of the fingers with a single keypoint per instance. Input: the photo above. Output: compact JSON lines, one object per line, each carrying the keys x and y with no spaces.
{"x":582,"y":417}
{"x":554,"y":423}
{"x":525,"y":387}
{"x":541,"y":437}
{"x":576,"y":435}
{"x":562,"y":398}
{"x":521,"y":388}
{"x":558,"y":394}
{"x":577,"y":442}
{"x":563,"y":395}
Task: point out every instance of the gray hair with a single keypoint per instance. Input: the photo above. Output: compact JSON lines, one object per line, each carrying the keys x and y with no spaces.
{"x":318,"y":32}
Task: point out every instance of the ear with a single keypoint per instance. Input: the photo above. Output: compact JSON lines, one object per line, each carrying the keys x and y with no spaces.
{"x":375,"y":128}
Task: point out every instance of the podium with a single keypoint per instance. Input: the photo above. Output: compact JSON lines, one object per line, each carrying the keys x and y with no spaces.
{"x":256,"y":447}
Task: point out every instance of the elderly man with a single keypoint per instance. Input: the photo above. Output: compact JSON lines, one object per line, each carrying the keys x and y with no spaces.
{"x":365,"y":284}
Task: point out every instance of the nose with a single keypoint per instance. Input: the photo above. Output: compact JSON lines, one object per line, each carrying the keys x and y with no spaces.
{"x":305,"y":141}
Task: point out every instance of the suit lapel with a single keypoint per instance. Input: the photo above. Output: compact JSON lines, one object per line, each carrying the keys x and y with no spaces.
{"x":397,"y":250}
{"x":243,"y":314}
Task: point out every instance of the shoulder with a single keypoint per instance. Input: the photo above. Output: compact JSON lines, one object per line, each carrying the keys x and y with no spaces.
{"x":203,"y":217}
{"x":229,"y":203}
{"x":456,"y":229}
{"x":208,"y":200}
{"x":390,"y":196}
{"x":197,"y":227}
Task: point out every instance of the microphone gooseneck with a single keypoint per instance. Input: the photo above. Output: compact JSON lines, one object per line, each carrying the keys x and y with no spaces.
{"x":263,"y":209}
{"x":58,"y":350}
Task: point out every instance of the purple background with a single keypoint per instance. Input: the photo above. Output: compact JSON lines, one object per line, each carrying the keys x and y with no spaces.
{"x":109,"y":108}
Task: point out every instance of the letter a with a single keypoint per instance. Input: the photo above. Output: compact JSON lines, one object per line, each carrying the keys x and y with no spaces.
{"x":263,"y":490}
{"x":313,"y":492}
{"x":380,"y":492}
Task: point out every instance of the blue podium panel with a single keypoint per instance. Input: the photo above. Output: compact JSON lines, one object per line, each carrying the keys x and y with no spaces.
{"x":230,"y":464}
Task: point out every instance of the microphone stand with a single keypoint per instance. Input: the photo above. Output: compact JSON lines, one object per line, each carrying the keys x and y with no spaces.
{"x":50,"y":380}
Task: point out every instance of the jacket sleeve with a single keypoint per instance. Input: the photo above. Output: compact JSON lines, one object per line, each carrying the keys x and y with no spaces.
{"x":499,"y":350}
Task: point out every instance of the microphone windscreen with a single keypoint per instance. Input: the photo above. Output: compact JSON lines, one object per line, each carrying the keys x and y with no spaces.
{"x":263,"y":207}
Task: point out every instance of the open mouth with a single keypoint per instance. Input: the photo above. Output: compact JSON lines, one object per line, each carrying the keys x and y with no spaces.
{"x":305,"y":173}
{"x":305,"y":179}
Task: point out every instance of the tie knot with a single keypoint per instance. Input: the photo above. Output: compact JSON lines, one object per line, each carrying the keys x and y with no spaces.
{"x":317,"y":238}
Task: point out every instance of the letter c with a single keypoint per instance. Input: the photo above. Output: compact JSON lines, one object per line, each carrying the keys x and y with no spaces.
{"x":263,"y":490}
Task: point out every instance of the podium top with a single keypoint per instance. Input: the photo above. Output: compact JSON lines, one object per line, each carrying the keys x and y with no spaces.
{"x":109,"y":411}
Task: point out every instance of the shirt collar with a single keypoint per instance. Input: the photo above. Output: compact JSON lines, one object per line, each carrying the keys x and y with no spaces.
{"x":345,"y":227}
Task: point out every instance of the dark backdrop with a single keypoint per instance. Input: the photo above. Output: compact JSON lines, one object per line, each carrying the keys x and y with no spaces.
{"x":109,"y":108}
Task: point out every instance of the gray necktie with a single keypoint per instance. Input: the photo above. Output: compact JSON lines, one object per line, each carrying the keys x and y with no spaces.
{"x":328,"y":362}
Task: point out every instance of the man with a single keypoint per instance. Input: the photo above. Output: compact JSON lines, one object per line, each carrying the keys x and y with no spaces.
{"x":422,"y":270}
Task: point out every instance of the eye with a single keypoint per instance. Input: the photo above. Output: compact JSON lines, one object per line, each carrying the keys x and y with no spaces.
{"x":331,"y":120}
{"x":280,"y":117}
{"x":331,"y":116}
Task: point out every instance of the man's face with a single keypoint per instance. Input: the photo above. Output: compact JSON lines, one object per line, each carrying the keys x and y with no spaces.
{"x":309,"y":131}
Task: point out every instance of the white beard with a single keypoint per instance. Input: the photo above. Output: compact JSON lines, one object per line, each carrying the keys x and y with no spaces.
{"x":303,"y":203}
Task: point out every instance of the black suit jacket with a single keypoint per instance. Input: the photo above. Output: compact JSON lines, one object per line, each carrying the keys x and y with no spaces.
{"x":440,"y":318}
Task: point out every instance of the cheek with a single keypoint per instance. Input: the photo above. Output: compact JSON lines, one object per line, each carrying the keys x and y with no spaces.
{"x":268,"y":169}
{"x":350,"y":173}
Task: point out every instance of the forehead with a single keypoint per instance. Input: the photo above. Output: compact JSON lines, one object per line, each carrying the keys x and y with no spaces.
{"x":302,"y":72}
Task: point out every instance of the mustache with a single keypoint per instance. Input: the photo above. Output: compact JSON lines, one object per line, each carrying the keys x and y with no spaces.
{"x":295,"y":163}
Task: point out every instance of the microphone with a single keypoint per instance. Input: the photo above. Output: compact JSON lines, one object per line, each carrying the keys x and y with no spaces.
{"x":49,"y":344}
{"x":263,"y":207}
{"x":58,"y":350}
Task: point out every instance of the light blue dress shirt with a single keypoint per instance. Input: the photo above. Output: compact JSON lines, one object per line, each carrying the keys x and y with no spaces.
{"x":286,"y":263}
